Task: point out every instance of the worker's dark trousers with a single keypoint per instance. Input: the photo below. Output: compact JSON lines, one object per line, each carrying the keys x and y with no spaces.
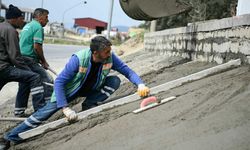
{"x":110,"y":85}
{"x":31,"y":79}
{"x":24,"y":90}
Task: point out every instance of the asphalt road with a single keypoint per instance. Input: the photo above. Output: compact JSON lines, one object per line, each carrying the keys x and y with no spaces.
{"x":55,"y":51}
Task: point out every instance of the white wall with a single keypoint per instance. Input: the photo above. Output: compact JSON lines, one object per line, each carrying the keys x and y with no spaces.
{"x":243,"y":7}
{"x":213,"y":41}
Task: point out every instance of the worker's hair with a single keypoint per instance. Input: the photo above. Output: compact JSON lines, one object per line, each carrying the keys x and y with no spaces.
{"x":99,"y":43}
{"x":39,"y":12}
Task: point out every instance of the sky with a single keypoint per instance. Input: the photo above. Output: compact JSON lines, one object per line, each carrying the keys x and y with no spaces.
{"x":98,"y":9}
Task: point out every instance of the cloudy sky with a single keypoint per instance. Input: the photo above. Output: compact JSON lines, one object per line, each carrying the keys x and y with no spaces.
{"x":98,"y":9}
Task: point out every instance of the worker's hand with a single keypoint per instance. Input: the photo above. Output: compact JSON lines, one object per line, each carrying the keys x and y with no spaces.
{"x":143,"y":90}
{"x":45,"y":65}
{"x":70,"y":114}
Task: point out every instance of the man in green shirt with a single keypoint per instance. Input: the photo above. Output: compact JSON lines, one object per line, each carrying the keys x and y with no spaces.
{"x":32,"y":36}
{"x":31,"y":45}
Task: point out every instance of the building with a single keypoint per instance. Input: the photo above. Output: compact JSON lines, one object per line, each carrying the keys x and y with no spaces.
{"x":89,"y":26}
{"x":27,"y":12}
{"x":3,"y":9}
{"x":54,"y":29}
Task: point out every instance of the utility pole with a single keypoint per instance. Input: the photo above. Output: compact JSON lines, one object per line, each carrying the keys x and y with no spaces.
{"x":110,"y":18}
{"x":63,"y":25}
{"x":85,"y":2}
{"x":42,"y":4}
{"x":0,"y":7}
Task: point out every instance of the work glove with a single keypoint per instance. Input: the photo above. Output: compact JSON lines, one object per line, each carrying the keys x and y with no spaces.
{"x":70,"y":114}
{"x":143,"y":90}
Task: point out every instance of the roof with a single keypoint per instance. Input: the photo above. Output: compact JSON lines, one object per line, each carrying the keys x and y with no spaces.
{"x":90,"y":23}
{"x":3,"y":6}
{"x":30,"y":10}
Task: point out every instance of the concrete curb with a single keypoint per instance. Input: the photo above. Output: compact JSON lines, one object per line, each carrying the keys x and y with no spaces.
{"x":134,"y":97}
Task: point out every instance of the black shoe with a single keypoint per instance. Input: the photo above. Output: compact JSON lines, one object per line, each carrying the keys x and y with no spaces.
{"x":4,"y":144}
{"x":85,"y":107}
{"x":22,"y":115}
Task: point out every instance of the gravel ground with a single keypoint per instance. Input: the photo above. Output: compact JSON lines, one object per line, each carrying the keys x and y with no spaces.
{"x":211,"y":113}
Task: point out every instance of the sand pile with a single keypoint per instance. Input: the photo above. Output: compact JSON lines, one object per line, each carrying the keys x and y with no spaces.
{"x":211,"y":113}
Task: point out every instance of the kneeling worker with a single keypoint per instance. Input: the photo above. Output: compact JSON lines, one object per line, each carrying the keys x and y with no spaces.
{"x":85,"y":75}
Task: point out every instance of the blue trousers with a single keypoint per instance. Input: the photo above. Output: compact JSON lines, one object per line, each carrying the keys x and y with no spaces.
{"x":31,"y":79}
{"x":110,"y":85}
{"x":24,"y":90}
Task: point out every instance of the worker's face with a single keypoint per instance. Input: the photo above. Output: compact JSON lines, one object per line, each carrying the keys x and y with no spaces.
{"x":43,"y":19}
{"x":102,"y":56}
{"x":18,"y":22}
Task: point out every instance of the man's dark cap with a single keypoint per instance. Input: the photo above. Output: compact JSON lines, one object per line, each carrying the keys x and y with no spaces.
{"x":98,"y":43}
{"x":13,"y":12}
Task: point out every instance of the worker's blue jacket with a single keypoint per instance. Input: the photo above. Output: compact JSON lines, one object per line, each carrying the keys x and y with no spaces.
{"x":67,"y":83}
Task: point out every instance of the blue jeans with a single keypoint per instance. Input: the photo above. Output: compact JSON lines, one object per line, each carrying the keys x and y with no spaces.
{"x":33,"y":121}
{"x":111,"y":84}
{"x":31,"y":79}
{"x":24,"y":90}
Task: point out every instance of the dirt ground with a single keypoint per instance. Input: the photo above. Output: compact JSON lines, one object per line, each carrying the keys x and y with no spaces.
{"x":211,"y":113}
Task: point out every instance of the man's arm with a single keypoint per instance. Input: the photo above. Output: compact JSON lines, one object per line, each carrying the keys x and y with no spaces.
{"x":63,"y":78}
{"x":39,"y":51}
{"x":38,"y":47}
{"x":13,"y":49}
{"x":122,"y":68}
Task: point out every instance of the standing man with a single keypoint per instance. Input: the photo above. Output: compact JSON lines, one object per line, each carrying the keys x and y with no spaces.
{"x":31,"y":44}
{"x":85,"y":75}
{"x":12,"y":64}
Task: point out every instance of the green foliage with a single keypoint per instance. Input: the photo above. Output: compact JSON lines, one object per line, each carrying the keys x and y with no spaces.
{"x":1,"y":19}
{"x":145,"y":25}
{"x":201,"y":10}
{"x":173,"y":21}
{"x":116,"y":41}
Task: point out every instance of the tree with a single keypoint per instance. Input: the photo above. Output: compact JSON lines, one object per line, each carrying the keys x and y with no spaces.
{"x":201,"y":10}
